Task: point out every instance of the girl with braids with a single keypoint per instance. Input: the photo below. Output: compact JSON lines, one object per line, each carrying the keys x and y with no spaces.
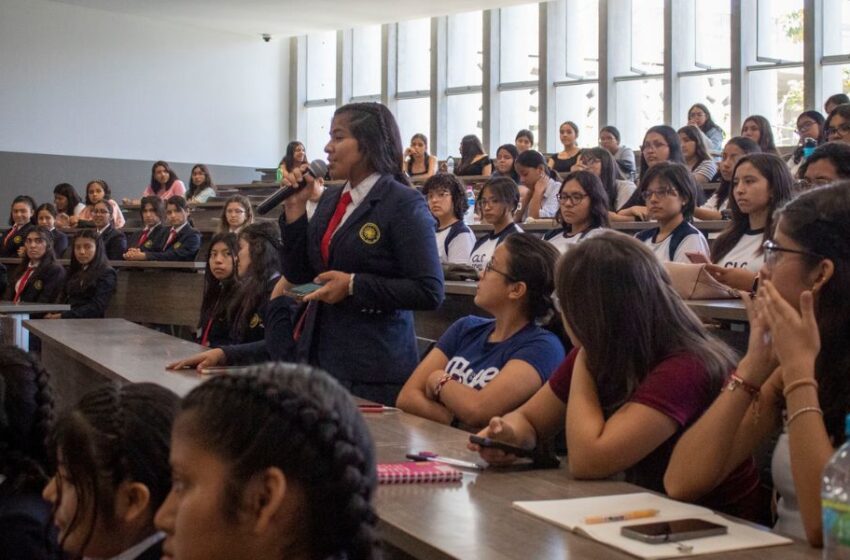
{"x":220,"y":285}
{"x":481,"y":367}
{"x":371,"y":244}
{"x":26,"y":414}
{"x":258,"y":270}
{"x":716,"y":207}
{"x":91,"y":281}
{"x":112,"y":473}
{"x":797,"y":366}
{"x":272,"y":463}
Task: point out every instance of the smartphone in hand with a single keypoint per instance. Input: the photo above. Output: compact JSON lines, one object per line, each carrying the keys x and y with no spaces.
{"x":506,"y":447}
{"x":303,"y":289}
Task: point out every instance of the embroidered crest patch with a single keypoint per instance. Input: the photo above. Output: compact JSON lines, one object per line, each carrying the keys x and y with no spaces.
{"x":38,"y":284}
{"x":369,"y":233}
{"x":17,"y":240}
{"x":255,"y":321}
{"x":177,"y":245}
{"x":148,"y":244}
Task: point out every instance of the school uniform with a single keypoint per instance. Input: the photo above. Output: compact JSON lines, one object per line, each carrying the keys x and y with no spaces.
{"x":90,"y":302}
{"x":455,"y":243}
{"x":484,"y":248}
{"x":149,"y":239}
{"x":4,"y":278}
{"x":214,"y":326}
{"x":278,"y":344}
{"x":13,"y":239}
{"x":118,"y":220}
{"x":181,"y":244}
{"x":26,"y":531}
{"x":255,"y":330}
{"x":60,"y":242}
{"x":563,"y":240}
{"x":38,"y":284}
{"x":386,"y":239}
{"x":746,"y":253}
{"x":674,"y":248}
{"x":114,"y":241}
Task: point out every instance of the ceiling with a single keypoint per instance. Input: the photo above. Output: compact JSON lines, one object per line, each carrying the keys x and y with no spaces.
{"x":285,"y":18}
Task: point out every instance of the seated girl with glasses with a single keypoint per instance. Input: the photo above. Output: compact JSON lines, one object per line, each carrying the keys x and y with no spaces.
{"x":114,"y":240}
{"x":810,"y":124}
{"x":497,"y":202}
{"x":236,"y":214}
{"x":601,"y":163}
{"x":837,"y":125}
{"x":796,"y":368}
{"x":583,"y":210}
{"x":762,"y":184}
{"x":481,"y":367}
{"x":97,"y":190}
{"x":670,"y":194}
{"x":660,"y":143}
{"x":447,"y":202}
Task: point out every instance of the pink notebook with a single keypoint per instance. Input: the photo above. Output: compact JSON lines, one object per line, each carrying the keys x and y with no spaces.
{"x":416,"y":471}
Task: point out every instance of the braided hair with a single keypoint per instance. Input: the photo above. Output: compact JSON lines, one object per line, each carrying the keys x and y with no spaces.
{"x":116,"y":433}
{"x":300,"y":420}
{"x":26,"y":415}
{"x":378,"y":138}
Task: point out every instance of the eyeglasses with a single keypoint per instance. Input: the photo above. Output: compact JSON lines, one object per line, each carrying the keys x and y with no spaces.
{"x":806,"y":184}
{"x":772,"y":251}
{"x":805,"y":126}
{"x":662,"y":193}
{"x":589,"y":160}
{"x":574,"y":199}
{"x":841,"y":130}
{"x":437,"y":195}
{"x":491,"y":268}
{"x":653,"y":146}
{"x":490,"y":202}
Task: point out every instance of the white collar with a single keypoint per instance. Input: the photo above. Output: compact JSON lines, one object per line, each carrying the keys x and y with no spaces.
{"x":362,"y":190}
{"x":136,"y":550}
{"x":101,"y":231}
{"x":177,"y":229}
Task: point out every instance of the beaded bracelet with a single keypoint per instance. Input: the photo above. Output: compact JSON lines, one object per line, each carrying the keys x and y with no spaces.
{"x":800,"y":411}
{"x":446,"y":377}
{"x":797,"y":384}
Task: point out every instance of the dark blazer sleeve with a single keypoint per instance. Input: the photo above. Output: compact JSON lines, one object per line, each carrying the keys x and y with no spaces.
{"x":245,"y":354}
{"x":96,"y":306}
{"x":53,"y":281}
{"x":294,"y":258}
{"x":116,"y":246}
{"x":60,"y":243}
{"x":190,"y":244}
{"x":278,"y":344}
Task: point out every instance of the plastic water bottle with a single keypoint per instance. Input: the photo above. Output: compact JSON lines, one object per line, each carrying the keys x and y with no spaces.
{"x":470,"y":216}
{"x":835,"y":501}
{"x":809,"y":145}
{"x":450,"y":165}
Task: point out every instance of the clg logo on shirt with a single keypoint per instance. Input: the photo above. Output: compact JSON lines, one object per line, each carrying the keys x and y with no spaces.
{"x":477,"y":380}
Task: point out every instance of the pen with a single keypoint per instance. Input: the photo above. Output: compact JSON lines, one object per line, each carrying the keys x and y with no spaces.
{"x":637,"y":514}
{"x":430,"y":456}
{"x":366,"y":408}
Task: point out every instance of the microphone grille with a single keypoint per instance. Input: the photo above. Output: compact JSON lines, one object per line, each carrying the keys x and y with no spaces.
{"x":319,"y":168}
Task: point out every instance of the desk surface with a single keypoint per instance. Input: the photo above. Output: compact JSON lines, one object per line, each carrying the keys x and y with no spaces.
{"x":23,"y":307}
{"x":168,"y":265}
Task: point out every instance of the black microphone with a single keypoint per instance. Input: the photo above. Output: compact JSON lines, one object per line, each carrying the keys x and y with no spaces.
{"x":317,"y":168}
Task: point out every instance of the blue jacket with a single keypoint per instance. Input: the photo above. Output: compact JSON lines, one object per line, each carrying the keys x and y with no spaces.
{"x":388,"y":242}
{"x":185,"y":247}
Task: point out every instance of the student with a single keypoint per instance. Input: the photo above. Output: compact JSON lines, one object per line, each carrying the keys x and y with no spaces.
{"x":762,"y":185}
{"x":68,"y":203}
{"x":609,"y":138}
{"x":670,"y":191}
{"x":834,"y":101}
{"x":285,"y":438}
{"x":39,"y":278}
{"x":497,"y":202}
{"x":201,"y":187}
{"x":661,"y":143}
{"x":294,"y":158}
{"x":114,"y":241}
{"x":505,"y":162}
{"x":695,"y":152}
{"x":481,"y":367}
{"x":700,"y":116}
{"x":623,"y":405}
{"x":182,"y":242}
{"x":583,"y":210}
{"x":152,"y":237}
{"x":795,"y":368}
{"x":96,"y":191}
{"x":829,"y":162}
{"x":447,"y":202}
{"x":524,"y":140}
{"x":164,"y":183}
{"x":111,"y":451}
{"x":600,"y":162}
{"x":715,"y":208}
{"x":541,"y":184}
{"x":236,"y":214}
{"x":810,"y":124}
{"x":45,"y":216}
{"x":220,"y":286}
{"x":473,"y":160}
{"x":418,"y":163}
{"x":21,"y":218}
{"x":564,"y":160}
{"x":371,"y":243}
{"x":26,"y":414}
{"x":758,"y":129}
{"x":258,"y":270}
{"x":837,"y":125}
{"x":90,"y":282}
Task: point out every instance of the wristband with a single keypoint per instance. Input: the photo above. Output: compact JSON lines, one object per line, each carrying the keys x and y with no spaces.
{"x":800,"y":411}
{"x":735,"y":382}
{"x":446,"y":377}
{"x":797,"y":384}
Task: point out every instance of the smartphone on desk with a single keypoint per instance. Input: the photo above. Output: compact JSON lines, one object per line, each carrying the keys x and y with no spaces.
{"x":673,"y":531}
{"x":302,"y":290}
{"x":506,"y":447}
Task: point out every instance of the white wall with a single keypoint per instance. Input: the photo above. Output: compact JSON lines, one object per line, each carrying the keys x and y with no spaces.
{"x":83,"y":82}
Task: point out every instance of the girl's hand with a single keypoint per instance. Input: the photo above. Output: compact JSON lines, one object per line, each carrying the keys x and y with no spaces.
{"x":639,"y":213}
{"x":73,"y":220}
{"x":334,"y":287}
{"x":760,"y":360}
{"x":795,"y":333}
{"x":499,"y":430}
{"x":738,"y":278}
{"x":22,"y":251}
{"x":542,"y":184}
{"x":210,"y":358}
{"x":292,"y":179}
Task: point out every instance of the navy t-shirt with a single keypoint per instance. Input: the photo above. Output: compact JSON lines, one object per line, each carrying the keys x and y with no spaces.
{"x":478,"y":362}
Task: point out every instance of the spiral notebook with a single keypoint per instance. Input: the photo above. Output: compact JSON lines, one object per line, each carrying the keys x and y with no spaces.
{"x":416,"y":471}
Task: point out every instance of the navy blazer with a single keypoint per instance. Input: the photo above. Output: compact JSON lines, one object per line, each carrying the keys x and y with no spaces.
{"x":184,"y":248}
{"x":60,"y":242}
{"x":388,"y":242}
{"x":44,"y":285}
{"x":115,"y":243}
{"x":156,"y":238}
{"x":279,"y":316}
{"x":90,"y":302}
{"x":26,"y":532}
{"x":10,"y":248}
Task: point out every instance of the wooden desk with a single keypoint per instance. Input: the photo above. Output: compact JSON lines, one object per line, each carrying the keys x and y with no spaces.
{"x":14,"y":315}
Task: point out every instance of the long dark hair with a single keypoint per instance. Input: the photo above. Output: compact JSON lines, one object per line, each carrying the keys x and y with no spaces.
{"x":116,"y":433}
{"x":674,"y":146}
{"x":534,"y":159}
{"x":766,"y":142}
{"x":819,"y":220}
{"x":70,"y":193}
{"x":207,"y":184}
{"x":378,"y":139}
{"x":297,"y":419}
{"x":748,"y":146}
{"x":532,"y":261}
{"x":470,"y":146}
{"x":709,"y":122}
{"x":289,"y":157}
{"x":427,"y":157}
{"x":245,"y":203}
{"x":779,"y":181}
{"x":592,"y":187}
{"x":511,"y":149}
{"x":156,"y":203}
{"x":598,"y":282}
{"x":107,"y":192}
{"x":696,"y":136}
{"x":676,"y":176}
{"x":87,"y":277}
{"x":172,"y":176}
{"x":26,"y":416}
{"x":25,"y":199}
{"x":448,"y":182}
{"x":49,"y":258}
{"x":609,"y":173}
{"x":820,"y":121}
{"x":217,"y":292}
{"x":264,"y":244}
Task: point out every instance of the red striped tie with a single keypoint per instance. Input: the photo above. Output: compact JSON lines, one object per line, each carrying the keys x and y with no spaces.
{"x":23,"y":284}
{"x":343,"y":203}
